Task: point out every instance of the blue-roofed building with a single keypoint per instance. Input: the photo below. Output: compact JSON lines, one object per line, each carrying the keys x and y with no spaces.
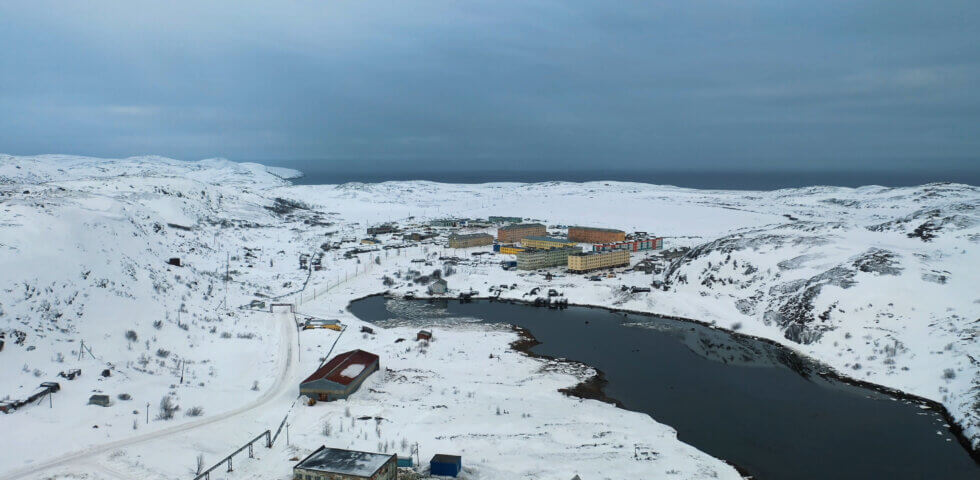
{"x":446,"y":465}
{"x":339,"y":464}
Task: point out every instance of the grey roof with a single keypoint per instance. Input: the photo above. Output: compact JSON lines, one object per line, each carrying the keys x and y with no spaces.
{"x":520,"y":226}
{"x":549,"y":239}
{"x":598,"y":229}
{"x":443,"y":458}
{"x":347,"y":462}
{"x":470,"y":235}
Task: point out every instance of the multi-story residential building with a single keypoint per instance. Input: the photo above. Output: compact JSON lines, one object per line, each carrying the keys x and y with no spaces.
{"x":633,"y":245}
{"x":586,"y":261}
{"x":595,"y":235}
{"x":546,"y":242}
{"x":510,"y":249}
{"x":470,"y":240}
{"x":514,"y":233}
{"x":535,"y":258}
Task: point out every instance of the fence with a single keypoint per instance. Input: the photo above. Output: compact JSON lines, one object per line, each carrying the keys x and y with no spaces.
{"x":268,"y":444}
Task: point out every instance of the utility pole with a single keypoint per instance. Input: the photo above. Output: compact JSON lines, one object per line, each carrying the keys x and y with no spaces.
{"x":81,"y":348}
{"x":147,"y":413}
{"x":287,"y":434}
{"x":227,"y":274}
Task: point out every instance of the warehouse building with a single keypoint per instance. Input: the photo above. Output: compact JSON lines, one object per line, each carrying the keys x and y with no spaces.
{"x":446,"y":465}
{"x":470,"y":240}
{"x":588,"y":261}
{"x":339,"y":464}
{"x":535,"y":258}
{"x":514,"y":233}
{"x":341,"y":376}
{"x":546,"y":242}
{"x":633,"y":245}
{"x":595,"y":235}
{"x":493,"y":219}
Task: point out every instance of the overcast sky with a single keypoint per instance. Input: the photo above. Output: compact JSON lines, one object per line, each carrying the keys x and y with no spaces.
{"x":737,"y":84}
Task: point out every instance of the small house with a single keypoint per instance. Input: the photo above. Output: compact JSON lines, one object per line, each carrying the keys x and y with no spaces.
{"x":366,"y":329}
{"x":438,"y":287}
{"x":340,"y":464}
{"x":446,"y":465}
{"x":341,"y":376}
{"x":405,"y":462}
{"x":100,"y":400}
{"x":174,"y":261}
{"x":424,"y":335}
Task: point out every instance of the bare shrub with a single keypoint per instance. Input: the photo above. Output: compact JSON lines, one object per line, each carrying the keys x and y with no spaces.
{"x":195,"y":412}
{"x":167,"y":408}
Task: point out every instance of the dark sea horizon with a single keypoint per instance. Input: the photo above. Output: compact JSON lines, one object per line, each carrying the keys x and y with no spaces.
{"x":701,"y":179}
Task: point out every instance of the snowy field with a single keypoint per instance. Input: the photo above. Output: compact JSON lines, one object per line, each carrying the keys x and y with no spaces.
{"x":879,"y":283}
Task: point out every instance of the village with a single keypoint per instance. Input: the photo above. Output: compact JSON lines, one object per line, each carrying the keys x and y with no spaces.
{"x":524,"y":246}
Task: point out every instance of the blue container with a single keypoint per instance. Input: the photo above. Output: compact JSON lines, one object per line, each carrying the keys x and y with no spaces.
{"x":496,"y":247}
{"x":446,"y":465}
{"x":405,"y":462}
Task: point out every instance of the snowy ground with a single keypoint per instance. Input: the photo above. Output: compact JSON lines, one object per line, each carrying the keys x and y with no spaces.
{"x":831,"y":272}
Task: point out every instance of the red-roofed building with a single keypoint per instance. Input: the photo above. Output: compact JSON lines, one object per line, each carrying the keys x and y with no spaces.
{"x":341,"y":376}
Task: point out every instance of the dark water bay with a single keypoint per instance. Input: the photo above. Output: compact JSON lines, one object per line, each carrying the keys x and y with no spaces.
{"x":757,"y":405}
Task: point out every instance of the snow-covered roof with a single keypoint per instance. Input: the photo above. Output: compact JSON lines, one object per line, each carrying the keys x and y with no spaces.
{"x":346,"y":462}
{"x":335,"y":368}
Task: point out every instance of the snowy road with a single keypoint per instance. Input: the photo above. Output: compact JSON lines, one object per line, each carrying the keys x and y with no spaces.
{"x":280,"y":390}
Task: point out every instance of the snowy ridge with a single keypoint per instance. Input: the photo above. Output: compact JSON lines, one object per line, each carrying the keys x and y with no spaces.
{"x":879,"y":283}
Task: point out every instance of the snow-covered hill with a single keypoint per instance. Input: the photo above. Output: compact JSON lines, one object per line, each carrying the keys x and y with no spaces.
{"x":878,"y":283}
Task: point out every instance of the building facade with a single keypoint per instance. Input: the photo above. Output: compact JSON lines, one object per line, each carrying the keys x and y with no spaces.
{"x":588,"y":261}
{"x":470,"y":240}
{"x":514,"y":233}
{"x":535,"y":258}
{"x":595,"y":235}
{"x":381,"y":229}
{"x":341,"y":376}
{"x":510,"y":249}
{"x":546,"y":242}
{"x":340,"y":464}
{"x":633,"y":245}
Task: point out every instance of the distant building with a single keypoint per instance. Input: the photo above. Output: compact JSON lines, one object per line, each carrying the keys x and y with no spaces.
{"x":370,"y":241}
{"x":446,"y":222}
{"x":514,"y":233}
{"x":511,"y":249}
{"x":546,"y":242}
{"x":438,"y":287}
{"x":446,"y":465}
{"x":405,"y":462}
{"x":381,"y":229}
{"x":633,"y":245}
{"x":535,"y":258}
{"x":339,"y":464}
{"x":341,"y":376}
{"x":100,"y":400}
{"x":418,"y":237}
{"x":313,"y":323}
{"x":595,"y":235}
{"x":423,"y":335}
{"x":588,"y":261}
{"x":470,"y":240}
{"x":493,"y":219}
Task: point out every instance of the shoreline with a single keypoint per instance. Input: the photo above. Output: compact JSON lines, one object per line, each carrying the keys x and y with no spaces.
{"x":593,"y":388}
